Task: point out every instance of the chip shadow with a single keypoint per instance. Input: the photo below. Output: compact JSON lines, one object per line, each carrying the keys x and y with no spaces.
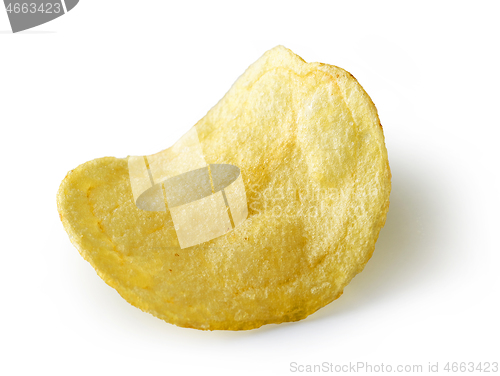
{"x":405,"y":253}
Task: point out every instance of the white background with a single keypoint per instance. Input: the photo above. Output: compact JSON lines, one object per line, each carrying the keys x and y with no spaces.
{"x":81,"y":86}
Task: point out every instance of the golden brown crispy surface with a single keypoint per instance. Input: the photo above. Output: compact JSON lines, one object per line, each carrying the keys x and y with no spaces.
{"x":310,"y":147}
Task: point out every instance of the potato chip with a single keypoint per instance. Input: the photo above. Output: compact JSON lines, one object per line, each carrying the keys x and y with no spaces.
{"x":314,"y":170}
